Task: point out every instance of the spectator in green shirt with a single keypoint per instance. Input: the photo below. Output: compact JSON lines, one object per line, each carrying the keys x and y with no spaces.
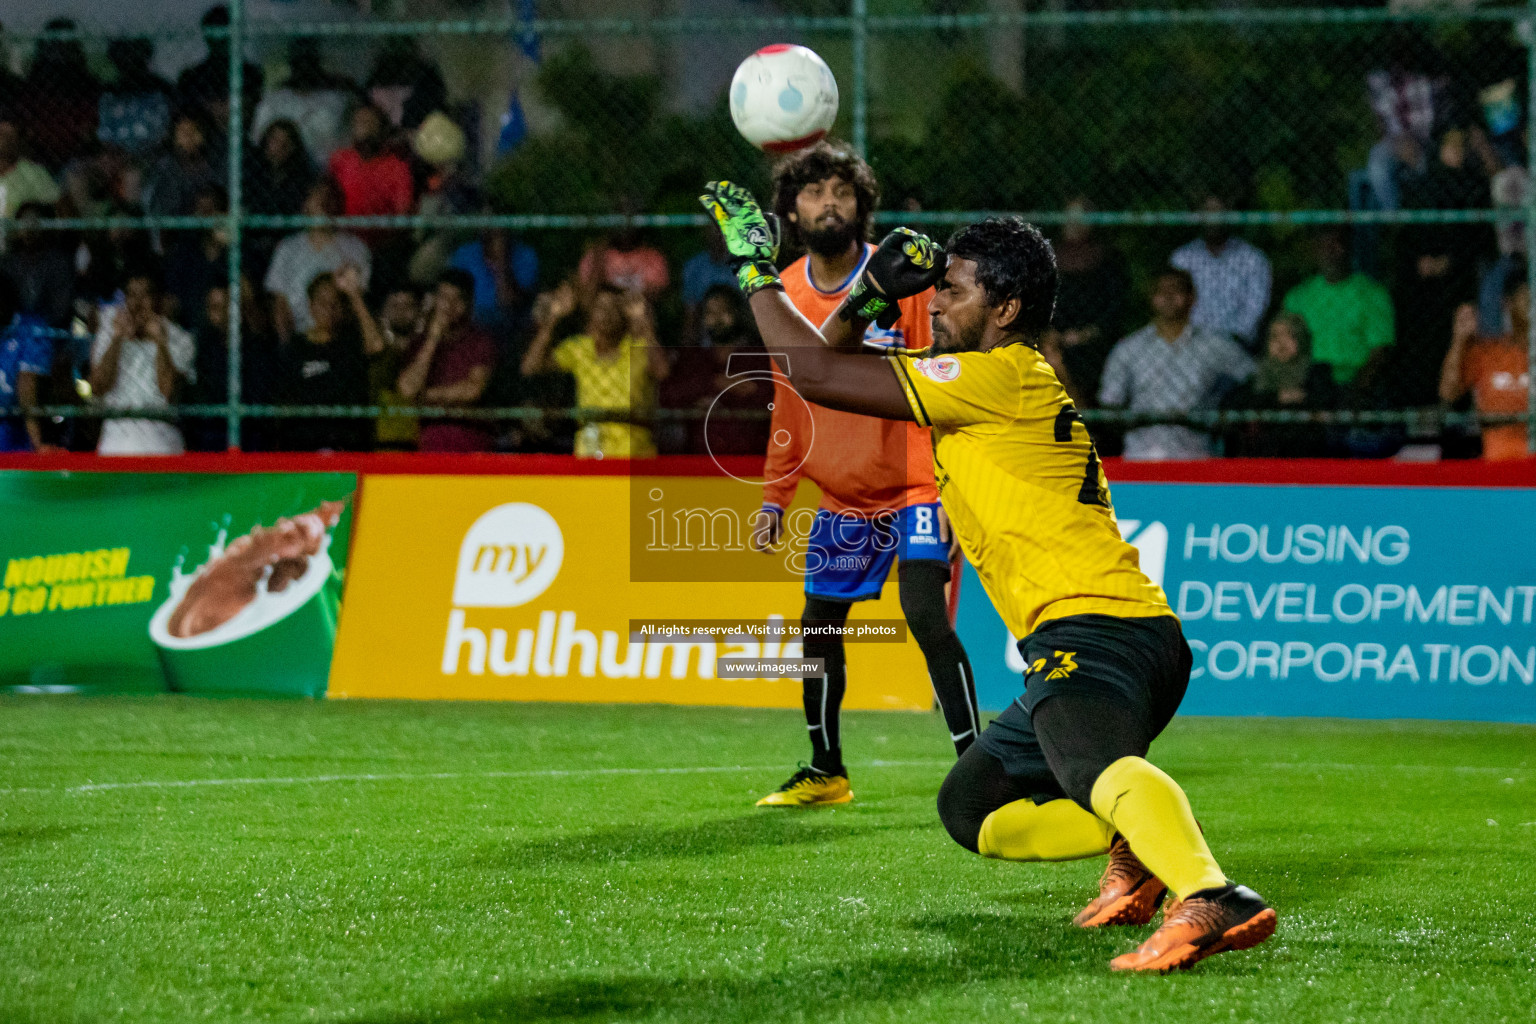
{"x":1349,"y":314}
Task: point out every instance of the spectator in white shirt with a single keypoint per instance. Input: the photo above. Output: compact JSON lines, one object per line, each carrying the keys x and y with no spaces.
{"x":302,"y":257}
{"x":139,"y":361}
{"x":312,"y":99}
{"x":1171,"y":366}
{"x":1232,"y":278}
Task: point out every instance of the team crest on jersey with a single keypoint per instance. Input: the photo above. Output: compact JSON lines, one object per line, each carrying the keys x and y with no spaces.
{"x":943,"y":369}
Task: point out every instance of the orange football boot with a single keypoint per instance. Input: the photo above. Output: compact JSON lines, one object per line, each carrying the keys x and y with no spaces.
{"x":1206,"y":923}
{"x":1128,"y":892}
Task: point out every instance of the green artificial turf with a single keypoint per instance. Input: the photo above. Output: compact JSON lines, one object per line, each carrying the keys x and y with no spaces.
{"x":540,"y":862}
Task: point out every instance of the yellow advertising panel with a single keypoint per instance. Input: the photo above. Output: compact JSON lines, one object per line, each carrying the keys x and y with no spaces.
{"x":519,"y":588}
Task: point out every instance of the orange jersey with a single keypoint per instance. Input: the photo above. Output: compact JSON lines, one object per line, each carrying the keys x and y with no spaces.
{"x":1498,"y":373}
{"x":862,"y":464}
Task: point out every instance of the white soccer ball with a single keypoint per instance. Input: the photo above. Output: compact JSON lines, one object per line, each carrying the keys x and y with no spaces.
{"x":783,"y":98}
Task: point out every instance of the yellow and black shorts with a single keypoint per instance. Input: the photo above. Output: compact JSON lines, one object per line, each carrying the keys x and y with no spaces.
{"x":1139,"y":665}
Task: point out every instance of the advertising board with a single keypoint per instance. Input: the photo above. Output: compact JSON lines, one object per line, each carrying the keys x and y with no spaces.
{"x":520,"y":588}
{"x":1360,"y":602}
{"x":1351,"y":601}
{"x":198,"y":583}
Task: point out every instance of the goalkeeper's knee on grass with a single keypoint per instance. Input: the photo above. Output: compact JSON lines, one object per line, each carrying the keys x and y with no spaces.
{"x":1021,"y":829}
{"x":1054,"y":830}
{"x":987,"y":811}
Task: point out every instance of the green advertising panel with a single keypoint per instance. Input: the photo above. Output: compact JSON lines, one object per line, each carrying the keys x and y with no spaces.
{"x":195,"y":583}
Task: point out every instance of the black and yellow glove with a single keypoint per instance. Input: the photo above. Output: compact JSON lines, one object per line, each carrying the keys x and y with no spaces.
{"x":904,"y":264}
{"x":751,"y":236}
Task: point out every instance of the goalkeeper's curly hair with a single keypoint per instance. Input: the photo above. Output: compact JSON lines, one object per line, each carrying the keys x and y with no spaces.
{"x":1013,"y":261}
{"x":825,"y":159}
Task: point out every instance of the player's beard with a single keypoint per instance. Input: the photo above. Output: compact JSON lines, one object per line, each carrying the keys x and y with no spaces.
{"x":968,"y":339}
{"x":833,"y":240}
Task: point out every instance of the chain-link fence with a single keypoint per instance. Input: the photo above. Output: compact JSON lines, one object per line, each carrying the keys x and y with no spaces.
{"x":1346,"y":189}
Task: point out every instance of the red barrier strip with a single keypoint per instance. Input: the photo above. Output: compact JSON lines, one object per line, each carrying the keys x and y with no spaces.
{"x":1315,"y":472}
{"x":382,"y":463}
{"x":1328,"y":472}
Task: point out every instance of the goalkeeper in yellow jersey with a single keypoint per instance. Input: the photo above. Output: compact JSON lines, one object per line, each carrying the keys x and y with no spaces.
{"x":1061,"y":774}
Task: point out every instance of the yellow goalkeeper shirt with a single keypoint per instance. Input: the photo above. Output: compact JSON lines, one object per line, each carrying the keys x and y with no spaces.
{"x":1021,"y":482}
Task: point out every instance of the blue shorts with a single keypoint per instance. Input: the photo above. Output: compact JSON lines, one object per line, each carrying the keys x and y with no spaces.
{"x":848,"y":557}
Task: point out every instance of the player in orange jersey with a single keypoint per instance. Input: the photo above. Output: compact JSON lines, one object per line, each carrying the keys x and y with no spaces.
{"x":879,"y":503}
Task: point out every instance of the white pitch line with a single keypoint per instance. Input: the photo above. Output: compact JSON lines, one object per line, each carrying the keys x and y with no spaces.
{"x":558,"y":773}
{"x":552,"y":773}
{"x":547,"y":773}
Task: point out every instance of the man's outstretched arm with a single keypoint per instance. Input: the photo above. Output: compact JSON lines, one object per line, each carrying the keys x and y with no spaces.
{"x":837,"y":379}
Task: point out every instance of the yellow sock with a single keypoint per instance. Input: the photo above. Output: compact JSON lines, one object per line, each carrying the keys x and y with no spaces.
{"x":1055,"y":830}
{"x":1152,"y":812}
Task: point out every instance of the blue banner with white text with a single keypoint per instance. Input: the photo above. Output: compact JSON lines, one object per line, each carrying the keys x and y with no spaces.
{"x":1356,"y":602}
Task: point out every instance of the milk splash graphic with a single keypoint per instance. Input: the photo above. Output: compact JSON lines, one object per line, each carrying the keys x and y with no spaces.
{"x":259,"y":615}
{"x":267,"y":608}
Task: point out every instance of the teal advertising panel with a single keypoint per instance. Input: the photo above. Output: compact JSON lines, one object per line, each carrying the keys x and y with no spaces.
{"x":195,"y":583}
{"x":1359,"y":602}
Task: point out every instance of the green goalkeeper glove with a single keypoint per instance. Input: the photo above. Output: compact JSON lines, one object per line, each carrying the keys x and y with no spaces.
{"x":905,"y":263}
{"x":751,"y":236}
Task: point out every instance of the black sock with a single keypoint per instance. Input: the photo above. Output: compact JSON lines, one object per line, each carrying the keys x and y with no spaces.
{"x":927,"y":612}
{"x":823,"y":694}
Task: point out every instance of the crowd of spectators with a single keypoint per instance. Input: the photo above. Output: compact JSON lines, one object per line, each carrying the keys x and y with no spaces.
{"x":456,"y":320}
{"x":1409,"y":317}
{"x":1339,"y":340}
{"x":133,"y":319}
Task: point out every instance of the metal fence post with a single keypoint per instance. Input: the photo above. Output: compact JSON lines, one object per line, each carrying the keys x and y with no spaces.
{"x":1530,"y":219}
{"x":860,"y":28}
{"x":236,"y":207}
